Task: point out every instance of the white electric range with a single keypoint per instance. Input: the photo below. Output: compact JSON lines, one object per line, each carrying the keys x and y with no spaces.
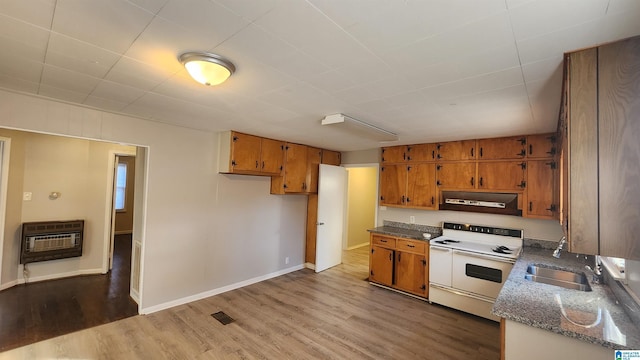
{"x":468,"y":265}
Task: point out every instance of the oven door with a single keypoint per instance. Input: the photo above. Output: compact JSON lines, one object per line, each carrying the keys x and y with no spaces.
{"x":478,"y":273}
{"x":440,"y":262}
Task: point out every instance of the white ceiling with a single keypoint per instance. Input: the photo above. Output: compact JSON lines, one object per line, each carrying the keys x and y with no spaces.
{"x":426,"y":70}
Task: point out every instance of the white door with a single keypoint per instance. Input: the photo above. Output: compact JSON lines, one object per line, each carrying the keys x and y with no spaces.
{"x":332,"y":197}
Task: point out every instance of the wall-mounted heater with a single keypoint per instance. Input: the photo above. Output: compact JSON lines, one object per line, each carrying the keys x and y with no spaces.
{"x":51,"y":240}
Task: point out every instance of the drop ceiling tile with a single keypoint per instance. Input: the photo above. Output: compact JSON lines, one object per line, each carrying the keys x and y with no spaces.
{"x":366,"y":71}
{"x":489,"y":60}
{"x":248,"y":9}
{"x":152,"y":6}
{"x":20,"y":68}
{"x":23,"y":39}
{"x":69,"y":80}
{"x":555,"y":15}
{"x":543,"y":70}
{"x":134,"y":73}
{"x":475,"y":85}
{"x":203,"y":19}
{"x":256,"y":44}
{"x":79,"y":56}
{"x":330,"y":81}
{"x":36,"y":12}
{"x":61,"y":94}
{"x":93,"y":22}
{"x":349,"y":13}
{"x":11,"y":83}
{"x":104,"y":104}
{"x":620,"y":25}
{"x":304,"y":99}
{"x":116,"y":92}
{"x":255,"y":78}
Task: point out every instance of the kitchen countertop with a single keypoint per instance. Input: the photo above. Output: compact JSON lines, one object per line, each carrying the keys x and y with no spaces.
{"x":406,"y":233}
{"x":568,"y":312}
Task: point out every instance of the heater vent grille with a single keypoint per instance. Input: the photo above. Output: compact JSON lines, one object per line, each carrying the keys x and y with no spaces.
{"x":51,"y":240}
{"x":40,"y":243}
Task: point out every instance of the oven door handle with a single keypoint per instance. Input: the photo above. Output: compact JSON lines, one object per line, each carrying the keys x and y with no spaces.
{"x":439,"y":248}
{"x":486,"y":257}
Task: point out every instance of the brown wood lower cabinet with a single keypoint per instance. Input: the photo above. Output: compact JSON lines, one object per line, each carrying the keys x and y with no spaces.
{"x":400,"y":263}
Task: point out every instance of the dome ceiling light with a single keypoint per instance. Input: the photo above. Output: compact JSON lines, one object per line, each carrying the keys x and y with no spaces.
{"x":207,"y":69}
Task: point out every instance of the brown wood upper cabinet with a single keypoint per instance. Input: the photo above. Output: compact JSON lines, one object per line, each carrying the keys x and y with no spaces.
{"x":331,"y":157}
{"x":456,"y":150}
{"x":502,"y":148}
{"x":410,"y":185}
{"x":541,"y":177}
{"x":294,"y":179}
{"x":394,"y":154}
{"x":247,"y":154}
{"x":542,"y":146}
{"x":602,"y":129}
{"x":502,"y":175}
{"x":314,"y":158}
{"x":458,"y":176}
{"x":421,"y":152}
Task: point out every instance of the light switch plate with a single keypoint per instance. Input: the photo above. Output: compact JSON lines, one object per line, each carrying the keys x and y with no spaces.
{"x":26,"y":196}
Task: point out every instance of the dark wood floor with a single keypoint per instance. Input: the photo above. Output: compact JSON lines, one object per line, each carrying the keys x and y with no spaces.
{"x":46,"y":309}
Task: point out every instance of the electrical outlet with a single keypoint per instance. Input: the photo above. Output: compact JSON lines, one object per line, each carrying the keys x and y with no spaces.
{"x":286,"y":260}
{"x":412,"y":219}
{"x":26,"y":196}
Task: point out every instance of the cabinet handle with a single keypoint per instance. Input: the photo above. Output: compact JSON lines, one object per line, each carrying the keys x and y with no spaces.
{"x":383,"y":240}
{"x":408,"y":200}
{"x":404,"y":156}
{"x":410,"y":246}
{"x":481,"y":152}
{"x":263,"y":164}
{"x":472,"y":182}
{"x":433,"y":154}
{"x":472,"y":152}
{"x":399,"y":257}
{"x":530,"y":206}
{"x":433,"y":201}
{"x":480,"y":181}
{"x":530,"y":149}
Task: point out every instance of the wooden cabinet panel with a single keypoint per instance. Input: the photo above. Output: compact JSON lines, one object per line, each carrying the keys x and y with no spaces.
{"x":394,"y":154}
{"x":393,"y":184}
{"x":245,"y":153}
{"x":502,"y":148}
{"x":411,"y":246}
{"x":542,"y":146}
{"x":502,"y":175}
{"x":381,"y":265}
{"x":421,"y":187}
{"x":619,"y":148}
{"x":421,"y":152}
{"x":331,"y":157}
{"x":272,"y":155}
{"x":295,"y":170}
{"x":541,"y":175}
{"x":314,"y":157}
{"x":456,"y":150}
{"x":411,"y":272}
{"x":456,"y":175}
{"x":312,"y":229}
{"x":583,"y":152}
{"x":384,"y":241}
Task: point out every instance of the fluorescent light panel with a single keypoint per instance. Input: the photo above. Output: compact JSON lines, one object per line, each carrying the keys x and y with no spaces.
{"x":359,"y":127}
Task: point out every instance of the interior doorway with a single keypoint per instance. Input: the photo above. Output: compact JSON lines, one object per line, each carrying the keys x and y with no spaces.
{"x":122,"y":196}
{"x":362,"y":204}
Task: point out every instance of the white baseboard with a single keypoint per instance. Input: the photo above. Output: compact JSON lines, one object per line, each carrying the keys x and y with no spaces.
{"x":21,"y":280}
{"x":358,"y":246}
{"x":8,"y":285}
{"x":206,"y":294}
{"x":310,"y":266}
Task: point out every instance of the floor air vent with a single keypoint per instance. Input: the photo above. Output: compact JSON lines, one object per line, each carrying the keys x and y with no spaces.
{"x":223,"y":318}
{"x":51,"y":240}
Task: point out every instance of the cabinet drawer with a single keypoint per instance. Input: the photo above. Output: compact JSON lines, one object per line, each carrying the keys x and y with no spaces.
{"x":411,"y":246}
{"x":384,"y":241}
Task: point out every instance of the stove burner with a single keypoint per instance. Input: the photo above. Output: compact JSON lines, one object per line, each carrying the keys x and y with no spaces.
{"x":502,"y":250}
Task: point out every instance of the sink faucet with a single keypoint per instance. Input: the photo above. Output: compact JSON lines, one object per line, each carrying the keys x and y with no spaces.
{"x":556,"y":252}
{"x":596,"y":270}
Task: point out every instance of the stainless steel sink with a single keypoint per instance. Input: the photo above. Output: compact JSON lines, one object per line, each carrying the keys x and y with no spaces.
{"x":563,"y":278}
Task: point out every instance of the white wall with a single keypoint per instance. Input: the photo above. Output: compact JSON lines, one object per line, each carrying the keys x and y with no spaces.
{"x":202,"y":231}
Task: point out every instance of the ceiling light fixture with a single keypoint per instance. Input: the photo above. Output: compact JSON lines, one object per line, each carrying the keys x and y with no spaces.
{"x":207,"y":69}
{"x":359,"y":127}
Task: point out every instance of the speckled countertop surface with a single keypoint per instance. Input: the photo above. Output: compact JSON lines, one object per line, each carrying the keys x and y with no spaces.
{"x":593,"y":316}
{"x":409,"y":233}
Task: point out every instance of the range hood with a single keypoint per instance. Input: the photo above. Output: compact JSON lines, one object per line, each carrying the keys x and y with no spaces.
{"x":484,"y":202}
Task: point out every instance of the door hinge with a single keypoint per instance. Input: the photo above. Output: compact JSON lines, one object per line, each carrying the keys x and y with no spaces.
{"x":523,"y":184}
{"x":233,"y":163}
{"x":371,"y":272}
{"x":424,"y":262}
{"x":423,"y":287}
{"x":551,"y":164}
{"x":523,"y":165}
{"x":372,"y":251}
{"x":235,"y":138}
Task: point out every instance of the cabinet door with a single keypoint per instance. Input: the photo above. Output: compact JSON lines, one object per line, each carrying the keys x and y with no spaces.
{"x":502,"y":148}
{"x":245,"y":153}
{"x":272,"y":156}
{"x":542,"y":146}
{"x":394,"y":154}
{"x":421,"y":186}
{"x":295,"y":168}
{"x":381,"y":265}
{"x":541,"y":176}
{"x":583,"y":153}
{"x":456,"y":175}
{"x":502,"y":175}
{"x":314,"y":157}
{"x":393,"y":184}
{"x":619,"y":148}
{"x":456,"y":150}
{"x":331,"y":157}
{"x":421,"y":152}
{"x":411,"y":272}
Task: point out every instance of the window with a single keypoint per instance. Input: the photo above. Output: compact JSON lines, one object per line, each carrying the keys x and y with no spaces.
{"x":121,"y":186}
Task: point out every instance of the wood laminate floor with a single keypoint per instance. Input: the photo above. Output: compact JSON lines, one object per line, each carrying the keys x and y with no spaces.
{"x":335,"y":314}
{"x":43,"y":310}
